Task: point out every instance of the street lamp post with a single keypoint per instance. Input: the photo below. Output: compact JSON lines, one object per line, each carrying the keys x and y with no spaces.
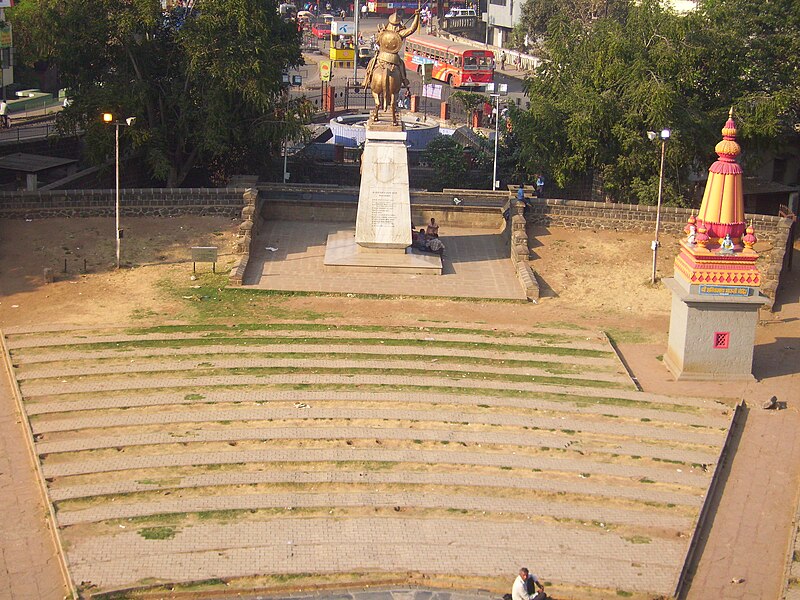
{"x":355,"y":42}
{"x":664,"y":135}
{"x":109,"y":118}
{"x":501,"y":90}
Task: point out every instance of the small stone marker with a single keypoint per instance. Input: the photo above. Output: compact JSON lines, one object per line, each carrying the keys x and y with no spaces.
{"x":48,"y":275}
{"x":204,"y":254}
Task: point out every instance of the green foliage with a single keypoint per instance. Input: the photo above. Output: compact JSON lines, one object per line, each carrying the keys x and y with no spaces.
{"x":606,"y":81}
{"x":469,"y":100}
{"x":205,"y":85}
{"x":157,"y":533}
{"x":446,"y":156}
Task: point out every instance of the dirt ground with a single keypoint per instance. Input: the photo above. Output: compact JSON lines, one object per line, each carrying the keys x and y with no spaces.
{"x":596,"y":279}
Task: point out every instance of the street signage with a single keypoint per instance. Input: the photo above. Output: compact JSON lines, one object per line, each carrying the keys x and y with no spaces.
{"x":427,"y":72}
{"x":204,"y":254}
{"x":421,"y":60}
{"x":325,"y":70}
{"x":724,"y":290}
{"x":343,"y":28}
{"x":432,"y":90}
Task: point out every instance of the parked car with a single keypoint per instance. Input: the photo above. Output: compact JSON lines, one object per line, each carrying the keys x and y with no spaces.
{"x":321,"y":30}
{"x":461,"y":12}
{"x":365,"y":54}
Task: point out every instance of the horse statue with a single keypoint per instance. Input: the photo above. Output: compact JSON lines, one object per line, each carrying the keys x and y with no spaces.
{"x":385,"y":86}
{"x":386,"y":72}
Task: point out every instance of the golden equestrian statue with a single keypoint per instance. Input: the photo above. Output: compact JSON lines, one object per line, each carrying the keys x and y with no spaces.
{"x":386,"y":73}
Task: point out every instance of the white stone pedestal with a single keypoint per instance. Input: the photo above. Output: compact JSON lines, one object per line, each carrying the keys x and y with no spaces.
{"x":383,"y":224}
{"x":711,"y":336}
{"x":384,"y":201}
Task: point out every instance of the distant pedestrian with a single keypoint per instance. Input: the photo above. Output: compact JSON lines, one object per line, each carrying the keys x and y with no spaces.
{"x":4,"y":114}
{"x":520,"y":590}
{"x":540,"y":186}
{"x":521,"y":193}
{"x":364,"y":11}
{"x":502,"y":60}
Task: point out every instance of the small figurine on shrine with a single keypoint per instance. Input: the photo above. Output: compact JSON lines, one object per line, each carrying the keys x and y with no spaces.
{"x":726,"y":247}
{"x":690,"y":239}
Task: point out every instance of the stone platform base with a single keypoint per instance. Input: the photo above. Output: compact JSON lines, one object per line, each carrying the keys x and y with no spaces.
{"x":342,"y":254}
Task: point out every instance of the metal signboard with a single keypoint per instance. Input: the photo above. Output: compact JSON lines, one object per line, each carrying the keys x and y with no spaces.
{"x":204,"y":254}
{"x":325,"y":70}
{"x":343,"y":28}
{"x":432,"y":91}
{"x":6,"y":39}
{"x":724,"y":290}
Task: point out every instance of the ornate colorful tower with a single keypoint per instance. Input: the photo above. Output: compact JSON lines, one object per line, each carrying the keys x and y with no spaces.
{"x":715,"y":291}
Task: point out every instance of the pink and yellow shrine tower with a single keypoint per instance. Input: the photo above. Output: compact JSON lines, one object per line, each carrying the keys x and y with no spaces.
{"x":715,"y":290}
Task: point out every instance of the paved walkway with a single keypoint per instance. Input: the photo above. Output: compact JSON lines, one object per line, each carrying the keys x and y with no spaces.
{"x":475,"y":265}
{"x":753,"y":517}
{"x":750,"y":529}
{"x":29,"y":567}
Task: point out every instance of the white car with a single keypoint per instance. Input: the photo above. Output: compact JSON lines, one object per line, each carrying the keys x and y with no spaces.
{"x":461,"y":12}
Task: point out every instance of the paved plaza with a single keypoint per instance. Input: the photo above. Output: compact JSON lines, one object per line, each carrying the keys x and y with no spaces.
{"x":476,"y":264}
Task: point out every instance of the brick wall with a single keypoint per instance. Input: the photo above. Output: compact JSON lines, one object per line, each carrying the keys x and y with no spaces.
{"x":155,"y":202}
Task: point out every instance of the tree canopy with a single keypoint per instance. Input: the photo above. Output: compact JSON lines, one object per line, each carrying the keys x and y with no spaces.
{"x":603,"y":84}
{"x":204,"y":84}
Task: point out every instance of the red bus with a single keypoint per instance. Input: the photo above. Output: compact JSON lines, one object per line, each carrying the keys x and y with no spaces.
{"x":457,"y":64}
{"x":405,"y":7}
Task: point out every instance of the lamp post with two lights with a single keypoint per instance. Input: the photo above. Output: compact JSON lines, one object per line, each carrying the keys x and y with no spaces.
{"x":496,"y":90}
{"x":664,"y":135}
{"x":108,"y":118}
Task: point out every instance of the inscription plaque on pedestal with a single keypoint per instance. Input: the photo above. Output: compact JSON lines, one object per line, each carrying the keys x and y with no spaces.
{"x":384,"y":202}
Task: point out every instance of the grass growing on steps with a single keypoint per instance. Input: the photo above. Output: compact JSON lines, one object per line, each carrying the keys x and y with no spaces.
{"x":459,"y":375}
{"x":260,"y":341}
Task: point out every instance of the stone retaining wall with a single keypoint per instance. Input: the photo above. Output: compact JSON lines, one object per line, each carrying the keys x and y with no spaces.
{"x":152,"y":202}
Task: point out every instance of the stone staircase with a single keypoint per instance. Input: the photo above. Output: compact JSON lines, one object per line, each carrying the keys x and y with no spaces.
{"x":186,"y":453}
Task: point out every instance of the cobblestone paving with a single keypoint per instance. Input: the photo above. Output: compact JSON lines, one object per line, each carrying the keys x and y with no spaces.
{"x":276,"y":396}
{"x":622,"y":488}
{"x":607,"y":479}
{"x":475,"y":264}
{"x":584,"y":557}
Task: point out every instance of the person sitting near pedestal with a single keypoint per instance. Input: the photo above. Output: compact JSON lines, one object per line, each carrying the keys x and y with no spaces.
{"x":420,"y":240}
{"x":436,"y":245}
{"x":432,"y":230}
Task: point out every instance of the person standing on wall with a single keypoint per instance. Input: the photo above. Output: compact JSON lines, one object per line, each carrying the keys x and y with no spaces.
{"x":4,"y":114}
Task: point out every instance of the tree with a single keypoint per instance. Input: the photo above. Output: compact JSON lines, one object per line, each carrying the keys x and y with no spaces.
{"x":602,"y":87}
{"x":205,"y":85}
{"x":446,"y":156}
{"x":538,"y":14}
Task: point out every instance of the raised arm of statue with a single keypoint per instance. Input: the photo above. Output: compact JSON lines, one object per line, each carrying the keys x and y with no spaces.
{"x":404,"y":33}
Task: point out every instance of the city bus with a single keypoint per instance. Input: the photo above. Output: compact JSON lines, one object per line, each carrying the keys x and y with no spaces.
{"x":456,"y":64}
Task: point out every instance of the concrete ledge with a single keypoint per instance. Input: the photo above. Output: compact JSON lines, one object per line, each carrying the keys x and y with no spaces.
{"x":342,"y":254}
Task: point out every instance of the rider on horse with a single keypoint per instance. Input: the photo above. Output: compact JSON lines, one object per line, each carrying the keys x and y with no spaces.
{"x":389,"y":40}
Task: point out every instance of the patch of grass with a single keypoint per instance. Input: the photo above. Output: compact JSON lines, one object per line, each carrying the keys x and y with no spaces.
{"x":645,"y":420}
{"x":192,"y":397}
{"x":638,"y":539}
{"x":350,"y":341}
{"x":222,"y":515}
{"x":646,"y":480}
{"x":627,"y":336}
{"x":160,"y":482}
{"x":157,"y":533}
{"x":796,"y":556}
{"x":624,"y":594}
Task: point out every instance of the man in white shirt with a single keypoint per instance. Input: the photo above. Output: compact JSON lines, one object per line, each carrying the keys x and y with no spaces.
{"x":519,"y":591}
{"x":4,"y":114}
